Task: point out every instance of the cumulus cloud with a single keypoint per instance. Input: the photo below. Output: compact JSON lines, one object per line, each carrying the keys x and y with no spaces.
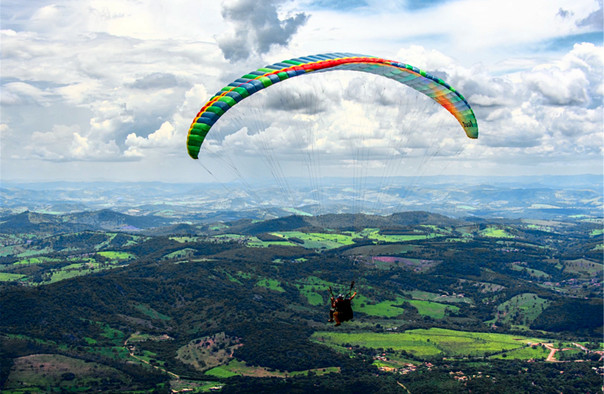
{"x":68,"y":143}
{"x":121,"y":80}
{"x":123,"y":84}
{"x":257,"y":26}
{"x":552,"y":110}
{"x":574,"y":80}
{"x":595,"y":19}
{"x":165,"y":136}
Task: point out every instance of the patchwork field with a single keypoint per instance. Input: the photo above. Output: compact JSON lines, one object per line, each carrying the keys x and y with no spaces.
{"x":432,"y":342}
{"x":53,"y":372}
{"x":239,"y":368}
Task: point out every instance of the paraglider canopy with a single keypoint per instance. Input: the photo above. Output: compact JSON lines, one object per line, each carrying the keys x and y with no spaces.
{"x":250,"y":83}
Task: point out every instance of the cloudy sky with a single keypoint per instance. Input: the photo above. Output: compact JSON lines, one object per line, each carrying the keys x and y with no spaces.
{"x":106,"y":89}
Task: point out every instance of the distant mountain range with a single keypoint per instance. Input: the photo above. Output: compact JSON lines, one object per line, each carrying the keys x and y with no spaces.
{"x":548,"y":197}
{"x":33,"y":222}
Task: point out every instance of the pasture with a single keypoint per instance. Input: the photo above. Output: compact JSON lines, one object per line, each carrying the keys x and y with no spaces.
{"x":240,"y":368}
{"x":426,"y":343}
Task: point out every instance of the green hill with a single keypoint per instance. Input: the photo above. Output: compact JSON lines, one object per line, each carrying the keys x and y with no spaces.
{"x":243,"y":305}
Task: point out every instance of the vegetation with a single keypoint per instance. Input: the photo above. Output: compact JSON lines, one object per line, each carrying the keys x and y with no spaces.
{"x":443,"y":305}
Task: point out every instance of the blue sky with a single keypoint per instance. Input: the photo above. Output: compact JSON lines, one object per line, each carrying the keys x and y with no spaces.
{"x":106,"y":89}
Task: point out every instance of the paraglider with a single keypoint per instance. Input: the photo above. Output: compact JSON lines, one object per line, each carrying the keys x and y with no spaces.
{"x":250,"y":83}
{"x":341,"y":306}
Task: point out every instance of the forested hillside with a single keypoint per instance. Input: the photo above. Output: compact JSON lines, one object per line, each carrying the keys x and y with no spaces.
{"x":112,"y":302}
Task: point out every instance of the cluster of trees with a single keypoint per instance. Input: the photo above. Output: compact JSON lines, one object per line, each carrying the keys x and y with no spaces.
{"x":580,"y":316}
{"x":218,"y":290}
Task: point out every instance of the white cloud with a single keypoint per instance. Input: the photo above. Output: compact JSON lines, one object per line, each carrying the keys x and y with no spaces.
{"x":256,"y":27}
{"x":14,"y":93}
{"x":119,"y":80}
{"x":573,"y":80}
{"x":165,"y":136}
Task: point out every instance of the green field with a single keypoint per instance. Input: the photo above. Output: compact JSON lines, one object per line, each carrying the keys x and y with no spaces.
{"x":223,"y":371}
{"x":583,"y":267}
{"x":8,"y":277}
{"x":313,"y":289}
{"x":433,"y":309}
{"x":239,"y":368}
{"x":112,"y":255}
{"x":521,"y":310}
{"x":431,"y":342}
{"x":495,"y":232}
{"x":271,"y":284}
{"x":59,"y":373}
{"x":180,"y":254}
{"x":525,"y":353}
{"x":317,"y":240}
{"x":595,"y":233}
{"x":385,"y":308}
{"x":36,"y":260}
{"x":335,"y":240}
{"x":150,"y":312}
{"x":54,"y":269}
{"x":530,"y":271}
{"x":392,"y":308}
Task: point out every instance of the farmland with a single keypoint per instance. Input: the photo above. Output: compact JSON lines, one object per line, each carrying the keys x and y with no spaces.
{"x":245,"y":304}
{"x":426,"y":344}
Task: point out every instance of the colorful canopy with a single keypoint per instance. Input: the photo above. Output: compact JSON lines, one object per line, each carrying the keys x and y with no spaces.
{"x":431,"y":86}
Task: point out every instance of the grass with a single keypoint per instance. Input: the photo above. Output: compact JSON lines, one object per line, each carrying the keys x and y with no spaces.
{"x":208,"y":352}
{"x":583,"y":267}
{"x":531,"y":271}
{"x":150,"y":312}
{"x":271,"y":284}
{"x":111,"y":333}
{"x":384,"y":308}
{"x":239,"y":368}
{"x":333,"y":240}
{"x":595,"y":233}
{"x":36,"y":260}
{"x":138,"y":337}
{"x":525,"y":353}
{"x":313,"y":289}
{"x":313,"y":298}
{"x":231,"y":278}
{"x":45,"y":371}
{"x":255,"y":242}
{"x":433,"y":309}
{"x":392,"y":308}
{"x":179,"y":254}
{"x":221,"y":372}
{"x":495,"y":232}
{"x":8,"y":277}
{"x":522,"y":309}
{"x":431,"y":342}
{"x":78,"y":265}
{"x":417,"y":265}
{"x":317,"y":240}
{"x":120,"y":256}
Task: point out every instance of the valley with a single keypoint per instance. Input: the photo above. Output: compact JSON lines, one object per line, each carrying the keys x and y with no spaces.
{"x":242,"y":305}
